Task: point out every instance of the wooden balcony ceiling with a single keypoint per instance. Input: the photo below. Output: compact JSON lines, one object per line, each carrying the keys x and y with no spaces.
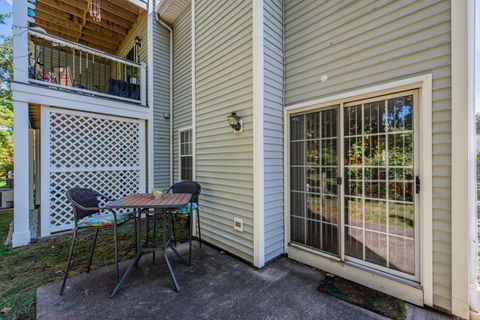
{"x":69,"y":19}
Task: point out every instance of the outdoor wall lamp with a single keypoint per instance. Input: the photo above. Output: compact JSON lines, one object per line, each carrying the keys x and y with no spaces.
{"x":235,"y":122}
{"x":138,"y":41}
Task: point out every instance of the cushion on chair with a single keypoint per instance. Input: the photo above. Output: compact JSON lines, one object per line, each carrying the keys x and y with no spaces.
{"x":103,"y":220}
{"x":186,"y":209}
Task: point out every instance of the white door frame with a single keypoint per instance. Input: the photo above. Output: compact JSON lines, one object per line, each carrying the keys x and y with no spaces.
{"x":390,"y":283}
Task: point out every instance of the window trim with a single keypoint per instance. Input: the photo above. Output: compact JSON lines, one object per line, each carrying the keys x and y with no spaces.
{"x":424,"y":84}
{"x":180,"y":131}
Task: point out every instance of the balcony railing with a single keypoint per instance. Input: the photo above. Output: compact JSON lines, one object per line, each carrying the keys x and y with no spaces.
{"x":65,"y":65}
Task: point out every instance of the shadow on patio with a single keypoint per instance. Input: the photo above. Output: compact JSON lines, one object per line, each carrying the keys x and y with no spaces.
{"x":217,"y":286}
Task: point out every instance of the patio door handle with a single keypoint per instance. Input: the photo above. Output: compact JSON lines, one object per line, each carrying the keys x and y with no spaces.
{"x":339,"y":181}
{"x":417,"y":184}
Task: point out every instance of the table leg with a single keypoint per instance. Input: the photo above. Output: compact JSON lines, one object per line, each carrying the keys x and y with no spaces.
{"x":155,"y":211}
{"x":137,"y":256}
{"x":166,"y":244}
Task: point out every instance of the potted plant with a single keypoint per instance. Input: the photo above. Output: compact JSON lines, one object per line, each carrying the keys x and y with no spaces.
{"x":132,"y":74}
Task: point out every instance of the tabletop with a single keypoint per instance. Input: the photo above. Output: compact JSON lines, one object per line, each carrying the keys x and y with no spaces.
{"x":146,"y":200}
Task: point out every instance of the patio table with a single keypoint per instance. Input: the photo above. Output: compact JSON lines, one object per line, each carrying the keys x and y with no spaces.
{"x":142,"y":203}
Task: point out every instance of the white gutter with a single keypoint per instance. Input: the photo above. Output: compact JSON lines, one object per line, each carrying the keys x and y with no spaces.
{"x":171,"y":93}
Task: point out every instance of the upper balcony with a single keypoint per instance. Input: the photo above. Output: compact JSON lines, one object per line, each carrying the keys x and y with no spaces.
{"x":99,"y":51}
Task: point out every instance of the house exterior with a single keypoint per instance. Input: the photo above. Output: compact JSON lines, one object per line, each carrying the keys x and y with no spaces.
{"x":356,"y":148}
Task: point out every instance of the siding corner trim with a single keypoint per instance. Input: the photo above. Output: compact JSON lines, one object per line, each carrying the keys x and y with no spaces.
{"x":258,"y":128}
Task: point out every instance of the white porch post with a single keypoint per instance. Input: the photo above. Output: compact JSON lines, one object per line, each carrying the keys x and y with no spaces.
{"x":22,"y":194}
{"x":462,"y":166}
{"x":20,"y":41}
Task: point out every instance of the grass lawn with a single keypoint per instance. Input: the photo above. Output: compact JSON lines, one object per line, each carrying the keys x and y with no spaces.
{"x":3,"y":183}
{"x":23,"y":270}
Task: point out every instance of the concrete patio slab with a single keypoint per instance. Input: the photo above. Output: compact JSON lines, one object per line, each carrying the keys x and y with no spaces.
{"x":216,"y":286}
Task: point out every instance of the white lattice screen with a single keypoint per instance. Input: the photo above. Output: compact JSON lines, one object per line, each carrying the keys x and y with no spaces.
{"x":94,"y":151}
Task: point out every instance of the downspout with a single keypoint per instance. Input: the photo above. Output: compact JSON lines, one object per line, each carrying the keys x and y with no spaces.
{"x":161,"y":22}
{"x":473,"y":288}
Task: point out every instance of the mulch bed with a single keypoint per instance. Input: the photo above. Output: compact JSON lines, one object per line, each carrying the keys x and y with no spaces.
{"x":364,"y":297}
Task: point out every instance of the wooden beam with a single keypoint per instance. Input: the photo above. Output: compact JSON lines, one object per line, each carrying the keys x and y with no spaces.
{"x":127,"y":5}
{"x":53,"y":23}
{"x":84,"y":18}
{"x":102,"y":37}
{"x":55,"y":27}
{"x":49,"y":12}
{"x":118,"y":16}
{"x":67,"y":11}
{"x":96,"y":46}
{"x":45,"y":10}
{"x":106,"y":15}
{"x":98,"y":42}
{"x":118,"y":10}
{"x":58,"y":4}
{"x":90,"y":27}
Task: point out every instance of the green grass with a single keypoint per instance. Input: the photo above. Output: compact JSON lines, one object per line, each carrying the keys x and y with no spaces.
{"x":23,"y":270}
{"x":3,"y":183}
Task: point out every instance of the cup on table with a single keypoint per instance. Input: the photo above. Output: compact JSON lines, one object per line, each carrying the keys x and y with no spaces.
{"x":157,"y":194}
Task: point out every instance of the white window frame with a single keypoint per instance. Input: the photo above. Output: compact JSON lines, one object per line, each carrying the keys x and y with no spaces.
{"x":420,"y":292}
{"x":180,"y":131}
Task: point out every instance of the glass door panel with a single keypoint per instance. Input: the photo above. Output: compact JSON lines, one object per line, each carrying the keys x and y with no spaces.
{"x":314,"y":216}
{"x":379,"y":183}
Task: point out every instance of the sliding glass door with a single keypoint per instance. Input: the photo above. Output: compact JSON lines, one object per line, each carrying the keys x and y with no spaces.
{"x":378,"y":168}
{"x":314,"y":172}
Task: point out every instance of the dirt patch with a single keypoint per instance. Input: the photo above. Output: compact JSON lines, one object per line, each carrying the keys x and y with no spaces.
{"x":364,"y":297}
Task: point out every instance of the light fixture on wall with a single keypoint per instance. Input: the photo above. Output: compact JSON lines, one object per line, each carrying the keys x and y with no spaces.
{"x":138,"y":41}
{"x":94,"y":10}
{"x":235,"y":122}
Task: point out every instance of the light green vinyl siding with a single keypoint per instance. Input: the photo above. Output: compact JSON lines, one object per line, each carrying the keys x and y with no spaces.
{"x":224,"y":83}
{"x":273,"y":128}
{"x":161,"y":104}
{"x":362,"y":43}
{"x":182,"y":80}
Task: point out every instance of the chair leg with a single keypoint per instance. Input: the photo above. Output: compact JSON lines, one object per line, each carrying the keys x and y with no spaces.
{"x":93,"y":250}
{"x":198,"y":227}
{"x":190,"y":240}
{"x":69,"y":263}
{"x":115,"y":240}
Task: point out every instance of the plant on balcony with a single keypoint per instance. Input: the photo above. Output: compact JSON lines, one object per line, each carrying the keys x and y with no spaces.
{"x":132,"y":74}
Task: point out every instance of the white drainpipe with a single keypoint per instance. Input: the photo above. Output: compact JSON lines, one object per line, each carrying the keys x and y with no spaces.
{"x":171,"y":93}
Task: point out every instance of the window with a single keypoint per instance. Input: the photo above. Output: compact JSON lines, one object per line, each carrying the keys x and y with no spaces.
{"x":186,"y":158}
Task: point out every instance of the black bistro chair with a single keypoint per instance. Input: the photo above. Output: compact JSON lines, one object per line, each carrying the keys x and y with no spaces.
{"x":193,"y":188}
{"x":89,"y":214}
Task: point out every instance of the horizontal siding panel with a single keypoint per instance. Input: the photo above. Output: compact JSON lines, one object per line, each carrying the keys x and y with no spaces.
{"x":182,"y":81}
{"x":273,"y":129}
{"x":223,"y":76}
{"x":364,"y":43}
{"x":161,"y":104}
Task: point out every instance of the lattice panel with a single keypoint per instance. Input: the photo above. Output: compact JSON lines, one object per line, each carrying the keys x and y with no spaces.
{"x":113,"y":184}
{"x":102,"y":153}
{"x":89,"y":142}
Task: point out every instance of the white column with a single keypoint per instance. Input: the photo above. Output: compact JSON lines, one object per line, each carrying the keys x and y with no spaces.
{"x":22,"y":194}
{"x":20,"y":41}
{"x":462,"y":112}
{"x":150,"y":100}
{"x":258,"y":132}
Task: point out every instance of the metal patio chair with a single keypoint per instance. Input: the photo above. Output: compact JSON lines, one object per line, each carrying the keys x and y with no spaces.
{"x":194,"y":189}
{"x":89,"y":214}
